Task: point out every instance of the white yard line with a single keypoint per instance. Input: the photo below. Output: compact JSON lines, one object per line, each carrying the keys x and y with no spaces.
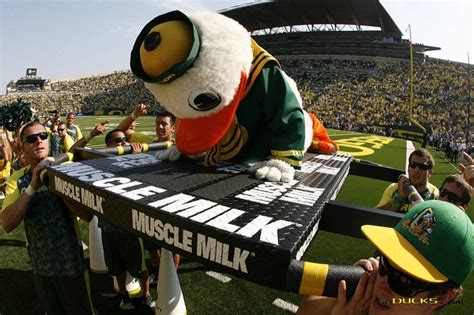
{"x":218,"y":276}
{"x":285,"y":305}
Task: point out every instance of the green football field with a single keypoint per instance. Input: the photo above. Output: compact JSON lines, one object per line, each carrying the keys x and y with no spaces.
{"x":206,"y":295}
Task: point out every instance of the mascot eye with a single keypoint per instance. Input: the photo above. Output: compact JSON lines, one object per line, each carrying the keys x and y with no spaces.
{"x":152,"y":41}
{"x":203,"y":101}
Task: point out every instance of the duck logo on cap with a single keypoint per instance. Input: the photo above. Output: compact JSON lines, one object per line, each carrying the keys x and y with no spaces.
{"x":421,"y":226}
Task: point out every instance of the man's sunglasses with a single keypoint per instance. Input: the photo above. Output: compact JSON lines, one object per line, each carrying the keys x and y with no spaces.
{"x":401,"y":283}
{"x":421,"y":166}
{"x":61,"y":129}
{"x":32,"y":138}
{"x":452,"y":197}
{"x":120,"y":140}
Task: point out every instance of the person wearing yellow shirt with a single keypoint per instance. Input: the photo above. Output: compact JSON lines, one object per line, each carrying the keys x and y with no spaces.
{"x":66,"y":141}
{"x":164,"y":125}
{"x":73,"y":130}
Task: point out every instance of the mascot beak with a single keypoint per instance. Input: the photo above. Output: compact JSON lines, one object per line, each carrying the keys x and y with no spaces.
{"x":194,"y":136}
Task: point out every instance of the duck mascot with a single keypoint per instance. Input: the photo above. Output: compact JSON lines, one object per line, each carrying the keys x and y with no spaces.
{"x":231,"y":99}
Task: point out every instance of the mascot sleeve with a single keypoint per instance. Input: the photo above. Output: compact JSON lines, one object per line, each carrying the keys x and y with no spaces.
{"x":284,"y":112}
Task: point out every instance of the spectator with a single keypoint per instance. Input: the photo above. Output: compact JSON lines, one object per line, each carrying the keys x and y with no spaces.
{"x":456,"y":190}
{"x":73,"y":130}
{"x":164,"y":127}
{"x":420,"y":168}
{"x":426,"y":256}
{"x":53,"y":120}
{"x":123,"y":251}
{"x":54,"y":248}
{"x":65,"y":141}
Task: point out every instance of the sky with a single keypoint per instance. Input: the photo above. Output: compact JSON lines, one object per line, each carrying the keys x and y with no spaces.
{"x":67,"y":39}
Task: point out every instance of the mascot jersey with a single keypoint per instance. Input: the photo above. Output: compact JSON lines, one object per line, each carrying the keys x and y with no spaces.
{"x":270,"y":97}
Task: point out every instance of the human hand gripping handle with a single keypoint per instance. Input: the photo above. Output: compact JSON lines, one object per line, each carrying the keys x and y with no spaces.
{"x":407,"y":190}
{"x":360,"y":301}
{"x":40,"y":170}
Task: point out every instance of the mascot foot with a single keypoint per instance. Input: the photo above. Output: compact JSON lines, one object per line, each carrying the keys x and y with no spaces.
{"x":172,"y":154}
{"x":273,"y":171}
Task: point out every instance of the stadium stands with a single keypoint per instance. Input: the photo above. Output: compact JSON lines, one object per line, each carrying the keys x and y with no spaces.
{"x":354,"y":80}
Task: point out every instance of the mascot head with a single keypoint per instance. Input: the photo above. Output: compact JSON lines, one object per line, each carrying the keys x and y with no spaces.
{"x":196,"y":66}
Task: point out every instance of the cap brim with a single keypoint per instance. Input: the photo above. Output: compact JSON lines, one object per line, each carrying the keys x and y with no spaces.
{"x":402,"y":253}
{"x":195,"y":136}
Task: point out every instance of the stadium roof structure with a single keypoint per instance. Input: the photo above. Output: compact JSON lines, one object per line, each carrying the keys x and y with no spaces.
{"x":271,"y":14}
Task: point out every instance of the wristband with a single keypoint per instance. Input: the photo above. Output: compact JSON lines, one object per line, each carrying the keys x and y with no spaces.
{"x":133,"y":116}
{"x":30,"y":191}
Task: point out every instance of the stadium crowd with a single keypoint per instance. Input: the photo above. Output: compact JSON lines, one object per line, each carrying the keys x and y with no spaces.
{"x":118,"y":91}
{"x":347,"y":94}
{"x":362,"y":94}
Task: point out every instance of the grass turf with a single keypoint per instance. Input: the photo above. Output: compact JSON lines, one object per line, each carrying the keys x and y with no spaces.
{"x":205,"y":295}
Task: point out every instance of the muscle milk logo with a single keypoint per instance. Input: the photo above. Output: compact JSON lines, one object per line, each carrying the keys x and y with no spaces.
{"x":203,"y":211}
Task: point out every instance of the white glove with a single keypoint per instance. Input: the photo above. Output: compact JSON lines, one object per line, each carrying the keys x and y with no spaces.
{"x":172,"y":154}
{"x":273,"y":171}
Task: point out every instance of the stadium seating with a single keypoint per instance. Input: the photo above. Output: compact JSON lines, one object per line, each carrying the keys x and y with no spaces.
{"x":345,"y":92}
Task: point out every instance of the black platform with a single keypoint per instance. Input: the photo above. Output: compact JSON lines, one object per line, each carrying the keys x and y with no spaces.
{"x":221,"y":216}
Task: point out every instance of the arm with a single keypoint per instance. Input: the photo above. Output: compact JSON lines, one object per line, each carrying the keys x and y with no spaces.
{"x":359,"y":303}
{"x":468,"y":170}
{"x":314,"y":304}
{"x":139,"y":110}
{"x":282,"y":104}
{"x":16,"y":203}
{"x":7,"y":155}
{"x":14,"y":209}
{"x":78,"y":212}
{"x":98,"y":130}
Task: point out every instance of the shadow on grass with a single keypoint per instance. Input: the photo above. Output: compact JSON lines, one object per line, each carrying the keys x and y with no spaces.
{"x":12,"y":242}
{"x":17,"y":293}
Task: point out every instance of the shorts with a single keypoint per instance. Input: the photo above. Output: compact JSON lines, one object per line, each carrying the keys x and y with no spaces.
{"x":124,"y":252}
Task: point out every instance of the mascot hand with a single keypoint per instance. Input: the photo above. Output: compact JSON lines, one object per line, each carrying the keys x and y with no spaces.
{"x":172,"y":154}
{"x":273,"y":171}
